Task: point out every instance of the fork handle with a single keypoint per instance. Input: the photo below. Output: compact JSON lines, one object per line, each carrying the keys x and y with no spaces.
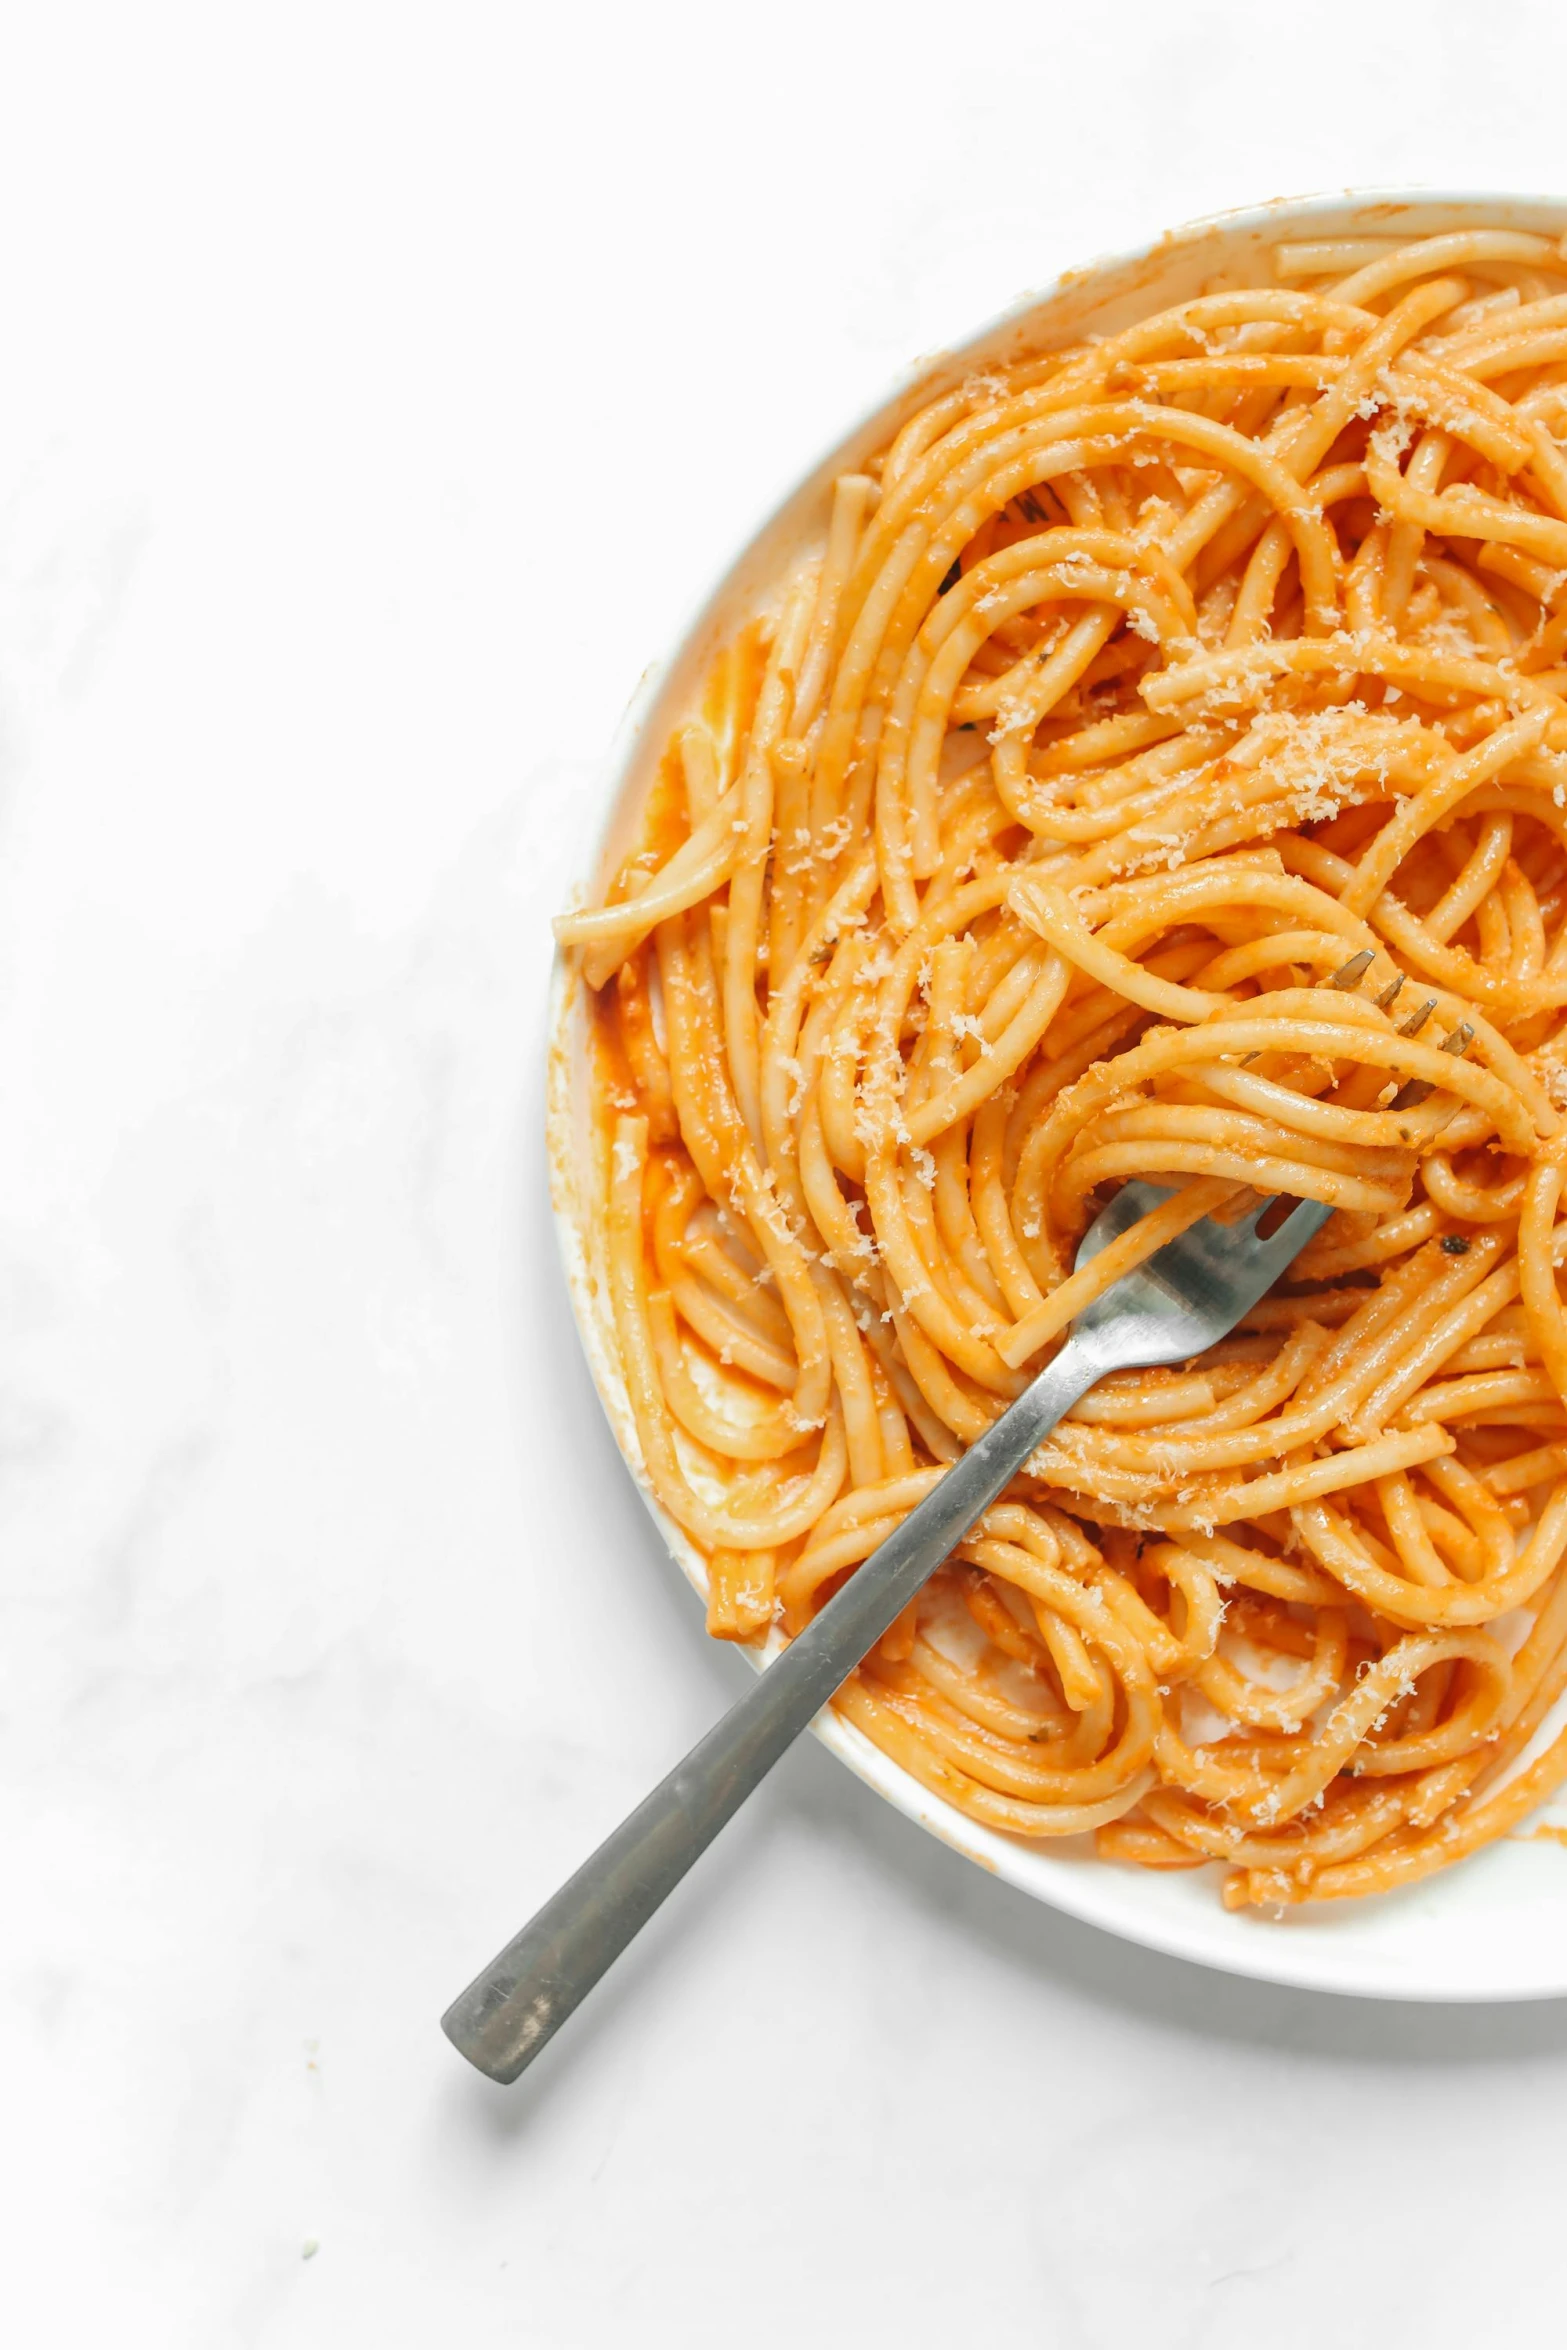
{"x":525,"y":1994}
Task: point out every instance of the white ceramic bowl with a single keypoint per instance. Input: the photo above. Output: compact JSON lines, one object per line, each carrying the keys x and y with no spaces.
{"x":1495,"y":1927}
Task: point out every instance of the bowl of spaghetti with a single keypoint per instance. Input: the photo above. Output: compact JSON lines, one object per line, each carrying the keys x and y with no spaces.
{"x":1190,"y":634}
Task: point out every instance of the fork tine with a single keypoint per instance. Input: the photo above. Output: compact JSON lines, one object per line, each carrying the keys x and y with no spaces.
{"x":1390,"y":995}
{"x":1419,"y":1089}
{"x":1417,"y":1020}
{"x":1312,"y":1215}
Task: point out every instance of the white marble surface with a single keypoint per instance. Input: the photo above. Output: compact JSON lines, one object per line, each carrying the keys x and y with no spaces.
{"x":349,"y":356}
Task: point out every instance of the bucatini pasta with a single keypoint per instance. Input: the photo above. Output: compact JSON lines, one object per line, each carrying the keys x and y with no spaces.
{"x":1161,"y":758}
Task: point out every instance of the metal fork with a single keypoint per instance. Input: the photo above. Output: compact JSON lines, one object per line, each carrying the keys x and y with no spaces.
{"x":1180,"y":1301}
{"x":1184,"y":1298}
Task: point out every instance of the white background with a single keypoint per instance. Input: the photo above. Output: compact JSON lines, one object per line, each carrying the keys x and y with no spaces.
{"x":379,"y":387}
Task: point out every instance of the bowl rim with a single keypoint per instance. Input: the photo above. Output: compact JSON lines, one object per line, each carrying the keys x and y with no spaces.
{"x":1323,"y":1955}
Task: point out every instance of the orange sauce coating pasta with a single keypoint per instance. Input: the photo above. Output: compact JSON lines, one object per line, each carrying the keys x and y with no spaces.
{"x":1132,"y":692}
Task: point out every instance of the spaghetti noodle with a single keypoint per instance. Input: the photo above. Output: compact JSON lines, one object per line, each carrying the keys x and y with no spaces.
{"x":1136,"y":692}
